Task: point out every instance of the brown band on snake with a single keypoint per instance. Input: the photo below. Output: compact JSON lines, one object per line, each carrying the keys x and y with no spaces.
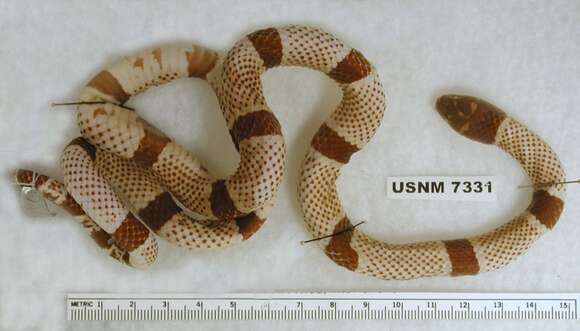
{"x":130,"y":234}
{"x":462,"y":257}
{"x":249,"y":224}
{"x":26,"y":177}
{"x":159,"y":211}
{"x":199,"y":66}
{"x":41,"y":180}
{"x":222,"y":204}
{"x":255,"y":124}
{"x":86,"y":145}
{"x":333,"y":146}
{"x":108,"y":84}
{"x":126,"y":258}
{"x":477,"y":120}
{"x":268,"y":44}
{"x":99,"y":111}
{"x":102,"y":238}
{"x":546,"y":208}
{"x":352,"y":68}
{"x":138,"y":63}
{"x":71,"y":206}
{"x":150,"y":146}
{"x":157,"y":56}
{"x":339,"y":249}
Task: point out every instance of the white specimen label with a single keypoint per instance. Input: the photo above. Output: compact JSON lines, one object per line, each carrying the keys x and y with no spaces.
{"x":472,"y":188}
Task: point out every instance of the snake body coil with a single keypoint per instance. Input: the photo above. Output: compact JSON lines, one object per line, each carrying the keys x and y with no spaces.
{"x":122,"y":175}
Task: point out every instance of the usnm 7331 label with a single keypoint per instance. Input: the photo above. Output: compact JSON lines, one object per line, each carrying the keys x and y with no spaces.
{"x":472,"y":188}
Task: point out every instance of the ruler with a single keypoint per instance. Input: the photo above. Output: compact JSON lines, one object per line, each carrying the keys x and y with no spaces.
{"x":324,"y":306}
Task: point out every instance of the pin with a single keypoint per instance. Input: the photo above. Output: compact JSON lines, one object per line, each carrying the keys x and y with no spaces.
{"x":545,"y":184}
{"x":350,"y":228}
{"x":56,"y":104}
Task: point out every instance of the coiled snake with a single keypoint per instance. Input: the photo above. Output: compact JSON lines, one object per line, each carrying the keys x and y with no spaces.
{"x":122,"y":175}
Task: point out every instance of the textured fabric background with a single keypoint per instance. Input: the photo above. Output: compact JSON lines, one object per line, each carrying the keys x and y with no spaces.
{"x":522,"y":56}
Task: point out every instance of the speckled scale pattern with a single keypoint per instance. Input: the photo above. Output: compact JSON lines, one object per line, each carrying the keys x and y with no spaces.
{"x":101,"y":204}
{"x":324,"y":215}
{"x":127,"y":169}
{"x":54,"y":191}
{"x":124,"y":171}
{"x":139,"y":187}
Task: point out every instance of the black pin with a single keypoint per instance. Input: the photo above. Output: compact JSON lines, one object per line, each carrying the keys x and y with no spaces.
{"x":350,"y":228}
{"x":55,"y":104}
{"x":545,"y":184}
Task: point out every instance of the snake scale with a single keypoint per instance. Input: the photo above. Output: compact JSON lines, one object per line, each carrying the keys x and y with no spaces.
{"x":123,"y":176}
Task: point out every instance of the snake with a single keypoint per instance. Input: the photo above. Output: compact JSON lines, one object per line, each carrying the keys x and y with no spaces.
{"x":126,"y":175}
{"x":126,"y":181}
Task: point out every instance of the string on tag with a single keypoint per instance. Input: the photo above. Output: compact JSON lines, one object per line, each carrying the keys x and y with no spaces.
{"x":350,"y":228}
{"x":32,"y":183}
{"x":32,"y":201}
{"x":56,"y":104}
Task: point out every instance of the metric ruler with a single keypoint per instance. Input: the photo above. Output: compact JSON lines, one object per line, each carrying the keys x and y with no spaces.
{"x":324,"y":306}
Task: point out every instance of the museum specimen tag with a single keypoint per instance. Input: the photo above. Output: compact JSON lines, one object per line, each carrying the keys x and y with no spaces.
{"x":467,"y":188}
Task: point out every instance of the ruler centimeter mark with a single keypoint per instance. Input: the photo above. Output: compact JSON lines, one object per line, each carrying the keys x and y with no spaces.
{"x":324,"y":306}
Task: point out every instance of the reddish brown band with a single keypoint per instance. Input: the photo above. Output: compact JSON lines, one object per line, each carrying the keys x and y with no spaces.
{"x":138,"y":63}
{"x":484,"y":124}
{"x":157,"y":56}
{"x":159,"y":211}
{"x":333,"y":146}
{"x":352,"y":68}
{"x":126,"y":257}
{"x":255,"y":124}
{"x":99,"y":111}
{"x":41,"y":179}
{"x":130,"y":234}
{"x":102,"y":238}
{"x":106,"y":83}
{"x":471,"y":117}
{"x":197,"y":67}
{"x":86,"y":145}
{"x":71,"y":206}
{"x":339,"y":249}
{"x":222,"y":204}
{"x":150,"y":146}
{"x":462,"y":257}
{"x":268,"y":44}
{"x":26,"y":177}
{"x":249,"y":224}
{"x":546,"y":208}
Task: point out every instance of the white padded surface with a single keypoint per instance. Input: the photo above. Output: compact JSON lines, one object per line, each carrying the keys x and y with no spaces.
{"x":523,"y":57}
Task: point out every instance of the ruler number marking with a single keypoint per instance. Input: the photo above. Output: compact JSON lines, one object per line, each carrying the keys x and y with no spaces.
{"x":322,"y":306}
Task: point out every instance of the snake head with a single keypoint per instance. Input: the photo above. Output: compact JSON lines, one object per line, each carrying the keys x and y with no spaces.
{"x":471,"y":117}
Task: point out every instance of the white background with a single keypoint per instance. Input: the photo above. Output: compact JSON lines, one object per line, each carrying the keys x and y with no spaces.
{"x":523,"y":56}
